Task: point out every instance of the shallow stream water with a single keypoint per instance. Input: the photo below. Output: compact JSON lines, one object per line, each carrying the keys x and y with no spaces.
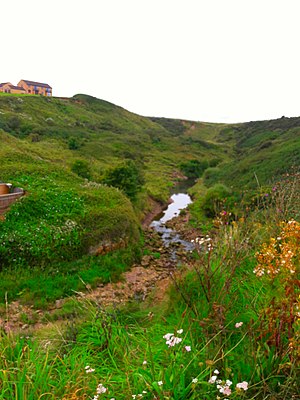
{"x":172,"y":239}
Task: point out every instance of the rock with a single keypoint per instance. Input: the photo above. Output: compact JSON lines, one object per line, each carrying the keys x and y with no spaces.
{"x":59,"y":303}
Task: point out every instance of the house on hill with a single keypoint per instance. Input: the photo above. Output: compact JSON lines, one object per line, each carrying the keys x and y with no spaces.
{"x":9,"y":88}
{"x":32,"y":87}
{"x":27,"y":87}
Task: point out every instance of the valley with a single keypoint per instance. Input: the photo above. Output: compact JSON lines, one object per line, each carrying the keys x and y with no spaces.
{"x":91,"y":281}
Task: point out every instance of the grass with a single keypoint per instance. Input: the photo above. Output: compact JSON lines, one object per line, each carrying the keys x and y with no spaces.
{"x":64,"y":217}
{"x":49,"y":240}
{"x":221,"y":330}
{"x":42,"y":287}
{"x":47,"y":236}
{"x":104,"y":134}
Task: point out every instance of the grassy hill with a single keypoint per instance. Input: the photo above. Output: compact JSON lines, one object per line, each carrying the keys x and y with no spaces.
{"x":267,"y":149}
{"x":60,"y":151}
{"x":103,"y":135}
{"x":89,"y":169}
{"x":63,"y":151}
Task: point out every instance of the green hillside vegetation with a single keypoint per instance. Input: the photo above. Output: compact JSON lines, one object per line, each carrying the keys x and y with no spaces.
{"x":65,"y":153}
{"x":228,"y":327}
{"x":262,"y":153}
{"x":103,"y":135}
{"x":267,"y":149}
{"x":49,"y":234}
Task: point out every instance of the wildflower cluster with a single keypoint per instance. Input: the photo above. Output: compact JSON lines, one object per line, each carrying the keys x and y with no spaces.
{"x":280,"y":254}
{"x":89,"y":370}
{"x":280,"y":259}
{"x":224,"y":386}
{"x":203,"y":242}
{"x":172,"y":340}
{"x":140,"y":395}
{"x":100,"y":390}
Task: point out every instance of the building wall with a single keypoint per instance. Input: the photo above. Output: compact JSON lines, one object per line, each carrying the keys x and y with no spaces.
{"x":31,"y":89}
{"x":5,"y":88}
{"x":17,"y":91}
{"x":9,"y":88}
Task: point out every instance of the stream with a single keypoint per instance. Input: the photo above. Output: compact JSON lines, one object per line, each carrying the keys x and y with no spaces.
{"x":171,"y":239}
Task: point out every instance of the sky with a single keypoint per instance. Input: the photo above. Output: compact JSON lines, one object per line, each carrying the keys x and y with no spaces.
{"x":202,"y":60}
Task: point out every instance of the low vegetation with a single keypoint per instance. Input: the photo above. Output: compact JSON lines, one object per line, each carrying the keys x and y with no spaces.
{"x":229,"y":328}
{"x":229,"y":325}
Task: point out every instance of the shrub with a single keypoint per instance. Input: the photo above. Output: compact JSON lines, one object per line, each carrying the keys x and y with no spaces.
{"x":82,"y":169}
{"x":194,"y":168}
{"x":14,"y":123}
{"x":211,"y":175}
{"x":213,"y":201}
{"x":127,"y":177}
{"x":73,"y":144}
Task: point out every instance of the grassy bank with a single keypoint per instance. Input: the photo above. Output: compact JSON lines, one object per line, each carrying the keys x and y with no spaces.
{"x":228,"y":329}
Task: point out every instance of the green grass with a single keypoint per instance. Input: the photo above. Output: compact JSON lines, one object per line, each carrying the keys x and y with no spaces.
{"x":41,"y":287}
{"x":104,"y":134}
{"x":49,"y":238}
{"x":129,"y":355}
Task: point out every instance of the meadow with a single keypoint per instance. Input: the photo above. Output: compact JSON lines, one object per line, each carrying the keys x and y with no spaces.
{"x":228,"y":326}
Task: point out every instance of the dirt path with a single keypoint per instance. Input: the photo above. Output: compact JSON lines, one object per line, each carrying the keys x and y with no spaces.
{"x":151,"y":277}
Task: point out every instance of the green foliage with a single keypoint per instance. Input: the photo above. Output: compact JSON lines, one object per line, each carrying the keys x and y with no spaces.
{"x":128,"y":177}
{"x":42,"y":228}
{"x":45,"y":238}
{"x":56,"y":223}
{"x":213,"y":318}
{"x":194,"y":168}
{"x":73,"y":144}
{"x":81,"y":168}
{"x":13,"y":123}
{"x":213,"y":201}
{"x":211,"y":327}
{"x":211,"y":175}
{"x":41,"y":287}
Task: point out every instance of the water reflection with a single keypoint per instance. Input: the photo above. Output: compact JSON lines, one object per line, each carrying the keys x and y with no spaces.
{"x":171,"y":238}
{"x":179,"y":202}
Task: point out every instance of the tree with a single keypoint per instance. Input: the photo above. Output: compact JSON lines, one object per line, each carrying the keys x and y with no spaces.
{"x":127,"y":177}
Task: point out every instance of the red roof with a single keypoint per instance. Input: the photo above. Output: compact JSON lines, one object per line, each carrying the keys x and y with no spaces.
{"x":32,"y":83}
{"x":5,"y":83}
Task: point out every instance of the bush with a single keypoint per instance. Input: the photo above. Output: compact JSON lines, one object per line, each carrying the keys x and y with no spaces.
{"x":82,"y":169}
{"x":213,"y":201}
{"x":42,"y":228}
{"x":211,"y":175}
{"x":73,"y":144}
{"x":127,"y":177}
{"x":194,"y":168}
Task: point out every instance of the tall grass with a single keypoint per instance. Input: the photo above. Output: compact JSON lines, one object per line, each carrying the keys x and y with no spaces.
{"x":216,"y":336}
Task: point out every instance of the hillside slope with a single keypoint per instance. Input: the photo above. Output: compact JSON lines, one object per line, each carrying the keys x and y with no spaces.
{"x":69,"y":214}
{"x":262,"y":152}
{"x":83,"y":127}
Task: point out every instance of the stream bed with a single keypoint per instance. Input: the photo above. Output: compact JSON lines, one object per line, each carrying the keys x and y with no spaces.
{"x":172,"y":239}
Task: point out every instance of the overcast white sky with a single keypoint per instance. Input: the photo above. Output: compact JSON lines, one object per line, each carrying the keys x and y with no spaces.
{"x":204,"y":60}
